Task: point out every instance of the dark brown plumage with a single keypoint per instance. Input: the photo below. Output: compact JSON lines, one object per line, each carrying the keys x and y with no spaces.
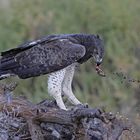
{"x":50,"y":54}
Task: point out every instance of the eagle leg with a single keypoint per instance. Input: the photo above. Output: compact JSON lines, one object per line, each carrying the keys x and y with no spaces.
{"x":54,"y":87}
{"x":66,"y":85}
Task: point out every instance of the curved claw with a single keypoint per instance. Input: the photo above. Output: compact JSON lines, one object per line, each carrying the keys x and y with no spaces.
{"x":80,"y":106}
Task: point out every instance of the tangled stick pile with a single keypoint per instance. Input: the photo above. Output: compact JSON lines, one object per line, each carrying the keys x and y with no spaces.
{"x":23,"y":120}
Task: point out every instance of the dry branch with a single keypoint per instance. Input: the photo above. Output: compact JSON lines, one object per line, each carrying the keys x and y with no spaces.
{"x":21,"y":119}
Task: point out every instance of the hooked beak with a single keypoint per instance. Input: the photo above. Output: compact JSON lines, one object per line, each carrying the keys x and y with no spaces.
{"x":98,"y":62}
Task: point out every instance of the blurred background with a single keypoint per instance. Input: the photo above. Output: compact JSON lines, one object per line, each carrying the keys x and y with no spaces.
{"x":118,"y":22}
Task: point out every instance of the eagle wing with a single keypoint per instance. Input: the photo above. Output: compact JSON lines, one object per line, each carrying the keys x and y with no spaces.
{"x":29,"y":44}
{"x":47,"y":57}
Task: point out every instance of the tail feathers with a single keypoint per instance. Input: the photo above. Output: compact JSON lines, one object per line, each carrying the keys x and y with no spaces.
{"x":5,"y":74}
{"x":8,"y":65}
{"x":6,"y":68}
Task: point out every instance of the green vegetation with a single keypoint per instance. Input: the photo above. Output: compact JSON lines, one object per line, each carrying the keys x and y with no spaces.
{"x":117,"y":21}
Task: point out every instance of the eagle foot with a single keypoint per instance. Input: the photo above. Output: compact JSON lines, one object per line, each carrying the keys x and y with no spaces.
{"x":80,"y":106}
{"x":80,"y":112}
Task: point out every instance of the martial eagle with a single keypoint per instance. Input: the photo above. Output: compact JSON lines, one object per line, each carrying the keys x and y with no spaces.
{"x":56,"y":55}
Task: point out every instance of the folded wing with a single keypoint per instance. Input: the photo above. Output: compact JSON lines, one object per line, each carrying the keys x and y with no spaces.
{"x":43,"y":58}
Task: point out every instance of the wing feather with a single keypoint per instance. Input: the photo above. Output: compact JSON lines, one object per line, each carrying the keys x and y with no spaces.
{"x":48,"y":57}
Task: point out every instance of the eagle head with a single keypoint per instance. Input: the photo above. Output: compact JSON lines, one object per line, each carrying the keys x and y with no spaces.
{"x":98,"y":50}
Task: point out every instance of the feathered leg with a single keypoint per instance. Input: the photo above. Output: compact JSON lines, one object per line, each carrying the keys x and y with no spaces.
{"x":54,"y":87}
{"x":66,"y":85}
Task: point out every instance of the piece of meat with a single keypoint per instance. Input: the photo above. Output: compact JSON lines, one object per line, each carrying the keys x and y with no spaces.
{"x":100,"y":71}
